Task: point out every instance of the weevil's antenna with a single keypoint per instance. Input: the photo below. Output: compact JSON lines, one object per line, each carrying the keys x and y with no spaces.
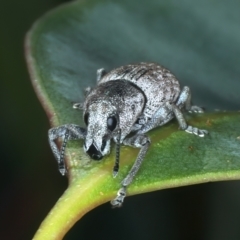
{"x":116,"y":165}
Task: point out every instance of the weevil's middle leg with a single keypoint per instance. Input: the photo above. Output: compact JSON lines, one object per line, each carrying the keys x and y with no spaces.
{"x":184,"y":101}
{"x":66,"y":132}
{"x":139,"y":141}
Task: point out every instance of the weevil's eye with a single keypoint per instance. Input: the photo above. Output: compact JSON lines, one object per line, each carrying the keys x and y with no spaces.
{"x":86,"y":118}
{"x":111,"y":123}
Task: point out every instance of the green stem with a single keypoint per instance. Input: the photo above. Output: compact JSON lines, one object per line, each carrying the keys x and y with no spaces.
{"x":78,"y":199}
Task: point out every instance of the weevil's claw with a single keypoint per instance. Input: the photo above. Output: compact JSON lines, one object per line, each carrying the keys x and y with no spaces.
{"x":118,"y":201}
{"x":196,"y":109}
{"x":63,"y":171}
{"x":196,"y":131}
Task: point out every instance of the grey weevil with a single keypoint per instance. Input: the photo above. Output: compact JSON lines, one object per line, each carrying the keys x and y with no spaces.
{"x":130,"y":99}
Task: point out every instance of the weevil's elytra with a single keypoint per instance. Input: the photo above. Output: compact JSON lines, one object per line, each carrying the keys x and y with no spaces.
{"x":156,"y":82}
{"x":130,"y":99}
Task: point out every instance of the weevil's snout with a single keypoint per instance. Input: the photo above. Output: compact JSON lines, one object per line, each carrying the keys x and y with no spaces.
{"x":94,"y":153}
{"x":99,"y":129}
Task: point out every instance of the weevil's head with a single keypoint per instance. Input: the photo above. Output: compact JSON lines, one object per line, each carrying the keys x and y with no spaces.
{"x":110,"y":111}
{"x":102,"y":123}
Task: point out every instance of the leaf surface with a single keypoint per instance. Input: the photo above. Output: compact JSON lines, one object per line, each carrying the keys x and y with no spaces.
{"x":66,"y":47}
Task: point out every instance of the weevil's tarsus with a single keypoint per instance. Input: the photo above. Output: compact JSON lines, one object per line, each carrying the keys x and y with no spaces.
{"x":118,"y":201}
{"x":196,"y":131}
{"x":78,"y":106}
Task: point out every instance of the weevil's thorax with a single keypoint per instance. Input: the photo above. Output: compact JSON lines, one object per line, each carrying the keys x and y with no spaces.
{"x":114,"y":98}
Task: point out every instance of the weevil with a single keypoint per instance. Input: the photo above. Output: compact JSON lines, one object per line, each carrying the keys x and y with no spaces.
{"x":126,"y":103}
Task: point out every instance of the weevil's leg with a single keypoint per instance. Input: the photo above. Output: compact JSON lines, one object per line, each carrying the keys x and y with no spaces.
{"x":66,"y":132}
{"x":139,"y":141}
{"x":182,"y":122}
{"x":100,"y":73}
{"x":184,"y":101}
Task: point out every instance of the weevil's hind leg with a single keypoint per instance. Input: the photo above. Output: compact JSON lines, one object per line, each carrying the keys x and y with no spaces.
{"x":184,"y":101}
{"x":139,"y":141}
{"x":183,"y":124}
{"x":66,"y":132}
{"x":100,"y":73}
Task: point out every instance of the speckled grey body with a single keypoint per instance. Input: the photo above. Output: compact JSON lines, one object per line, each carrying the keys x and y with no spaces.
{"x":130,"y":99}
{"x":158,"y":84}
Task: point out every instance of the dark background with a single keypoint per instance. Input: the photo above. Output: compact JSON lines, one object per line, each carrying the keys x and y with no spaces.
{"x":31,"y":184}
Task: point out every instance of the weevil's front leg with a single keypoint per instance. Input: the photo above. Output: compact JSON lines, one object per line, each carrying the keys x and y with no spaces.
{"x":139,"y":141}
{"x":183,"y":124}
{"x":66,"y":132}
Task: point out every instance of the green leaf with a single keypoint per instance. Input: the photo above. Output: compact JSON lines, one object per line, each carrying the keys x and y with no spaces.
{"x":66,"y":47}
